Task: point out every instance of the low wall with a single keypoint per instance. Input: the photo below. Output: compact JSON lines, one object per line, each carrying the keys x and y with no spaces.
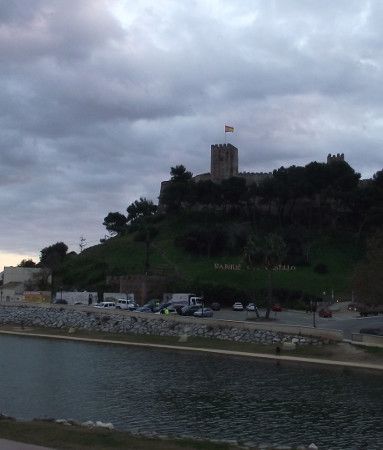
{"x":117,"y":321}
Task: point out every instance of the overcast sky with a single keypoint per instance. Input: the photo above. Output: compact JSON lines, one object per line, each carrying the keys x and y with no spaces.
{"x":100,"y":98}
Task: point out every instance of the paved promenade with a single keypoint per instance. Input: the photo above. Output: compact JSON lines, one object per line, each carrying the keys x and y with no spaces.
{"x":5,"y":444}
{"x":294,"y":359}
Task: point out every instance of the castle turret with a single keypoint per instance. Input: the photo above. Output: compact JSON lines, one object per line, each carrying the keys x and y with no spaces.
{"x":224,"y":162}
{"x":334,"y":158}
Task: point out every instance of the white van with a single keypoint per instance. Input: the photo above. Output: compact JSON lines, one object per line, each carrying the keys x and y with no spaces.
{"x":123,"y":303}
{"x":110,"y":305}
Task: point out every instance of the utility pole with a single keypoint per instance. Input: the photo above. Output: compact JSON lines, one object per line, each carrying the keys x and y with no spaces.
{"x":82,"y":243}
{"x":314,"y":308}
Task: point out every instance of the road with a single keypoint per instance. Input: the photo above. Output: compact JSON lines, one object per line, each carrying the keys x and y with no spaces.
{"x":347,"y":321}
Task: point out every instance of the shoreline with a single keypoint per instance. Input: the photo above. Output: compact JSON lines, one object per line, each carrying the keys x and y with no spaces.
{"x":52,"y":434}
{"x":217,"y":351}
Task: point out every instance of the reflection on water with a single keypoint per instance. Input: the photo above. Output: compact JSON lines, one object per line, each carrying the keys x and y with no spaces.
{"x":191,"y":394}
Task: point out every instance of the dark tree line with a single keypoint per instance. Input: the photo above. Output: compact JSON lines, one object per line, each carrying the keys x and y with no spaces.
{"x":139,"y":213}
{"x":317,"y":196}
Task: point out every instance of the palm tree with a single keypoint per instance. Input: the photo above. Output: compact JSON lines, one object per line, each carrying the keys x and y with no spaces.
{"x":268,"y":251}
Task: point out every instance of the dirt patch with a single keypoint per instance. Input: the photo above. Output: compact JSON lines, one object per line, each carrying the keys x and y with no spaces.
{"x":348,"y":352}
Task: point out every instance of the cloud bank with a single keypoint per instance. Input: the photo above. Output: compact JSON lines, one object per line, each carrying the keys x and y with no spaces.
{"x":100,"y":98}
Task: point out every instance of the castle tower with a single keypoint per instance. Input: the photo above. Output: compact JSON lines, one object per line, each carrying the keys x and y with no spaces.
{"x":224,"y":162}
{"x":333,"y":158}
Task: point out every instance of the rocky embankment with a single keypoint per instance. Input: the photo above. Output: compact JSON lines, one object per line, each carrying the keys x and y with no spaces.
{"x":91,"y":319}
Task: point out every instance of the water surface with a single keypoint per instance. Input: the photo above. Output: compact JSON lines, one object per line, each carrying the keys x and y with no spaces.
{"x":191,"y":394}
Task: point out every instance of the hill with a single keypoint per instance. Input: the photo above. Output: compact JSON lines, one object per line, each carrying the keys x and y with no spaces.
{"x":305,"y":225}
{"x":222,"y":274}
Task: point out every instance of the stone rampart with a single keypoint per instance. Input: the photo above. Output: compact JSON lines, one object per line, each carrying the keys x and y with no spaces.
{"x":116,"y":321}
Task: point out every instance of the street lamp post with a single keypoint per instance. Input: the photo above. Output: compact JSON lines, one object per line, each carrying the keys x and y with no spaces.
{"x":314,"y":308}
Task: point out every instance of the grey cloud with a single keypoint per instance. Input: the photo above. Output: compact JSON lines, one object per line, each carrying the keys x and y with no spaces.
{"x":95,"y":111}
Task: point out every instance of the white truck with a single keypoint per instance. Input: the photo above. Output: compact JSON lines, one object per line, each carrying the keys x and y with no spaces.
{"x":183,"y":299}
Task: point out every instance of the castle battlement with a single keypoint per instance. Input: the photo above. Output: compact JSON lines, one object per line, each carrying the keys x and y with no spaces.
{"x":228,"y":147}
{"x":334,"y":158}
{"x":254,"y":173}
{"x":254,"y":177}
{"x":224,"y":165}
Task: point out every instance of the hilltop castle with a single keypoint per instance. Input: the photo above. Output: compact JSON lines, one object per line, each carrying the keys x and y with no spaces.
{"x":224,"y":165}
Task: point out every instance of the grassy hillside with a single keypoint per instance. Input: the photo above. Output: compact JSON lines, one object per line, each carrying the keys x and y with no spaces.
{"x":123,"y":255}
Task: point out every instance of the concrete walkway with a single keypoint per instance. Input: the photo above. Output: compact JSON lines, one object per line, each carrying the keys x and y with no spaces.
{"x":295,"y":359}
{"x":5,"y":444}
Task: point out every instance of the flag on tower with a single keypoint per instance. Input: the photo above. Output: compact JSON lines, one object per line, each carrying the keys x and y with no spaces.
{"x":229,"y":129}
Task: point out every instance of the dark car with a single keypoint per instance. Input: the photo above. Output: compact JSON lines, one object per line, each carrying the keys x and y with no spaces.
{"x":215,"y":306}
{"x":276,"y":308}
{"x":189,"y":310}
{"x":325,"y":313}
{"x":60,"y":302}
{"x":203,"y":312}
{"x":161,"y":307}
{"x":145,"y":309}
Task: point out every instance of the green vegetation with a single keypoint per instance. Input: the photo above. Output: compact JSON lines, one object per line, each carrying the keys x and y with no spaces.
{"x":123,"y":255}
{"x":219,"y":239}
{"x":80,"y":438}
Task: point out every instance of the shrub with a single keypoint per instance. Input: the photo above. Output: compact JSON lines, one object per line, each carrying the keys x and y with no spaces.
{"x":321,"y":268}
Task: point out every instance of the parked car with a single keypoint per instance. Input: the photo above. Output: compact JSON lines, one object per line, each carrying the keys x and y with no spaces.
{"x":179,"y":308}
{"x":60,"y":302}
{"x":251,"y":307}
{"x":145,"y":309}
{"x":352,"y":307}
{"x":171,"y":310}
{"x":123,"y":303}
{"x":204,"y":312}
{"x":325,"y":313}
{"x":189,"y":310}
{"x":238,"y":306}
{"x":276,"y":307}
{"x":215,"y":306}
{"x":109,"y":305}
{"x":161,"y":306}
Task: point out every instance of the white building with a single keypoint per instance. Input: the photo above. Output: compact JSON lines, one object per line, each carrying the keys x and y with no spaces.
{"x":15,"y":280}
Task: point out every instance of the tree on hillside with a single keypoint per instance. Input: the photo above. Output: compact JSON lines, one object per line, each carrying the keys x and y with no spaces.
{"x":368,"y":281}
{"x":115,"y":223}
{"x":178,"y":189}
{"x":209,"y":240}
{"x":366,"y":203}
{"x":205,"y":192}
{"x":141,"y":209}
{"x":140,"y":214}
{"x":40,"y":281}
{"x":27,"y":263}
{"x":266,"y":252}
{"x":234,"y":190}
{"x":52,"y":256}
{"x":180,"y":174}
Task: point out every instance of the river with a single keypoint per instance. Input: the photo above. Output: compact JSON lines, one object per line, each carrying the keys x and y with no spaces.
{"x":180,"y":393}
